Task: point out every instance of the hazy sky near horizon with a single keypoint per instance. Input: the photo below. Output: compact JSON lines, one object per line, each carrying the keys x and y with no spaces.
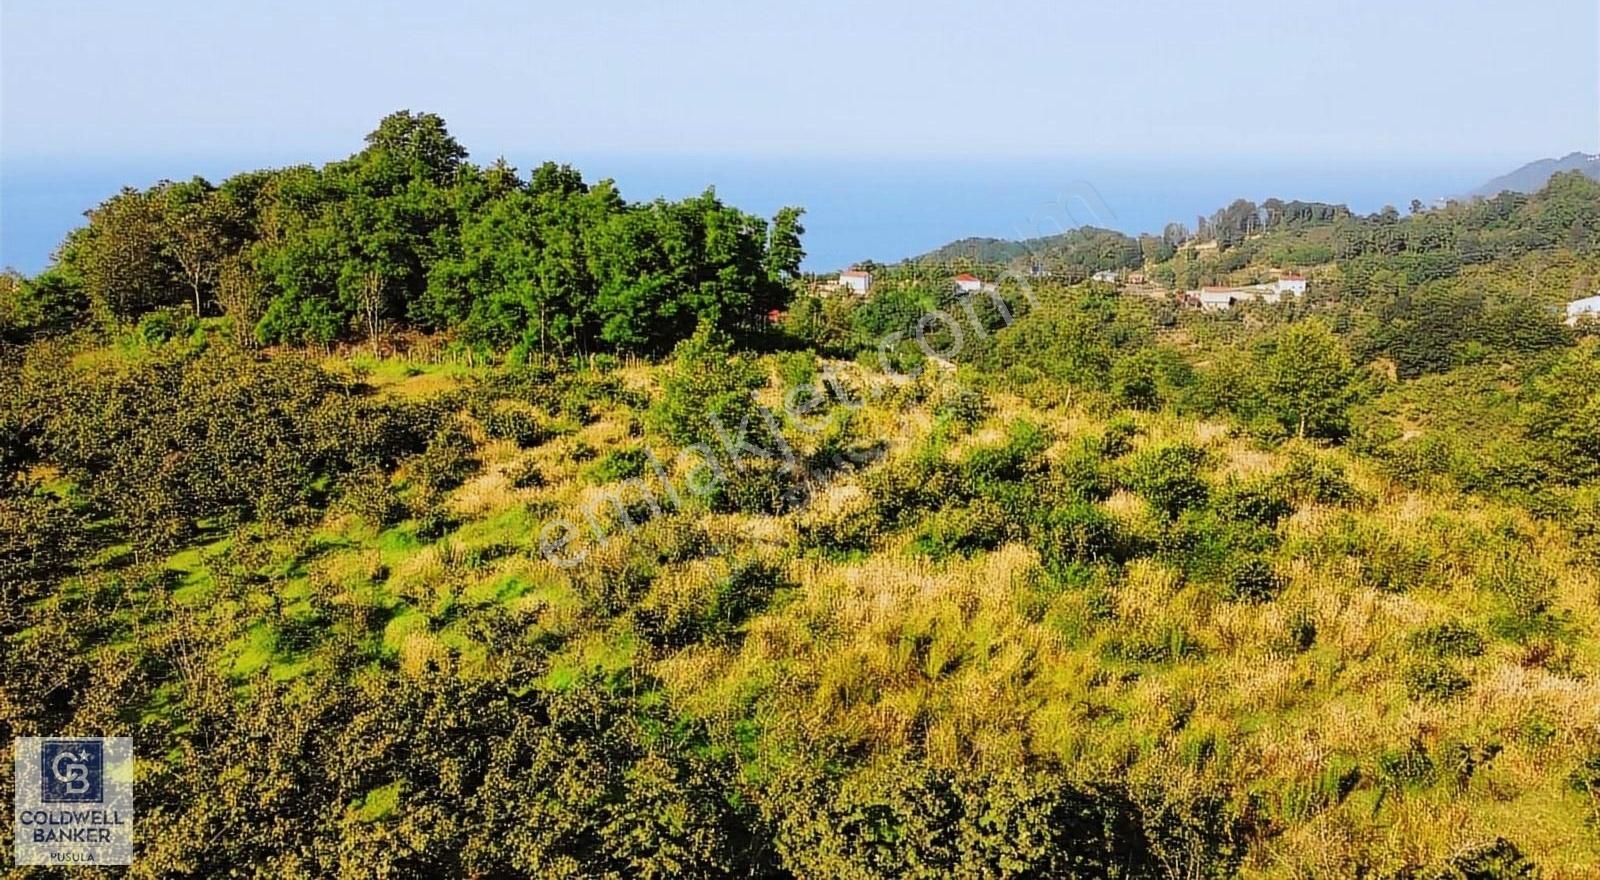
{"x":930,"y":78}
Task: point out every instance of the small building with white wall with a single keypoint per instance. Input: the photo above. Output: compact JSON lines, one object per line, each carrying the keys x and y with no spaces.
{"x":856,"y":281}
{"x":1105,"y":276}
{"x":1586,"y":308}
{"x":1295,"y":284}
{"x":969,"y":283}
{"x":1220,"y":299}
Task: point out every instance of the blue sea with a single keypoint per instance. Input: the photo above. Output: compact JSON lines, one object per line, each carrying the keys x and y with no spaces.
{"x":877,"y":209}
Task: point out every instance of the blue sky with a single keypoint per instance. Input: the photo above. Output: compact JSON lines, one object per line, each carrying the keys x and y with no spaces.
{"x":1462,"y":79}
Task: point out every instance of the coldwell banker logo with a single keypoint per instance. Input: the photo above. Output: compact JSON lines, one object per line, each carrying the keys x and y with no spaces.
{"x":74,"y":801}
{"x":72,"y":771}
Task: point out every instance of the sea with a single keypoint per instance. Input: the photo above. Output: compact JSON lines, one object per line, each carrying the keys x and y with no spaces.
{"x":879,"y":209}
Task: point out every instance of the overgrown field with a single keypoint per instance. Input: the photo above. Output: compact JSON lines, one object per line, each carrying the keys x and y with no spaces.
{"x":372,"y":617}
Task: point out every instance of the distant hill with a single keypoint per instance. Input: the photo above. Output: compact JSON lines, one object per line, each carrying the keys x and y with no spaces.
{"x":980,"y":250}
{"x":1533,"y":176}
{"x":1076,"y":252}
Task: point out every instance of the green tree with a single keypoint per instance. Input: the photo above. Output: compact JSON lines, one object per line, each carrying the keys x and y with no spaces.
{"x":1564,"y":412}
{"x":785,"y":253}
{"x":121,"y":257}
{"x":1308,"y":382}
{"x":707,"y":392}
{"x":198,"y":234}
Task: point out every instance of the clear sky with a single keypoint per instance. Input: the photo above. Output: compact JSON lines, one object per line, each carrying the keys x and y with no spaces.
{"x":930,"y":78}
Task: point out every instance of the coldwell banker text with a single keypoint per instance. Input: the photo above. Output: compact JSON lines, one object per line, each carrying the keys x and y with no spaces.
{"x":74,"y":803}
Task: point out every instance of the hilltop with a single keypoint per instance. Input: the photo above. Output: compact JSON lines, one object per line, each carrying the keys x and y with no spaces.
{"x":1533,"y":176}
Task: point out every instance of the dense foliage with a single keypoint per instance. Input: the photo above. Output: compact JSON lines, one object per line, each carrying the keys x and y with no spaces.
{"x":406,"y":233}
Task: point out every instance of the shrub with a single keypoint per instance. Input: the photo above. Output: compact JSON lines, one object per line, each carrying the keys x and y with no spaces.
{"x":1136,"y":380}
{"x":1170,"y":478}
{"x":1585,"y":778}
{"x":1310,"y":479}
{"x":1497,"y":860}
{"x":1253,"y":580}
{"x":526,"y":475}
{"x":964,"y":406}
{"x":903,"y":489}
{"x":1117,"y":439}
{"x":797,"y":369}
{"x":41,"y":539}
{"x":1411,"y":766}
{"x":519,"y":425}
{"x":165,"y":325}
{"x":1020,"y":457}
{"x":1076,"y":534}
{"x":706,"y":393}
{"x":851,"y":530}
{"x":1259,"y":503}
{"x":450,"y":458}
{"x":619,"y":464}
{"x":370,"y":496}
{"x":1447,"y":639}
{"x":962,"y":530}
{"x":1081,"y":474}
{"x":763,"y":486}
{"x":1525,"y":587}
{"x":1434,"y":680}
{"x":1299,"y":633}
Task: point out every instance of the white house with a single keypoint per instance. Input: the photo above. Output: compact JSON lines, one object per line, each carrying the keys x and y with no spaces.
{"x":1220,"y":299}
{"x":856,"y":281}
{"x":969,"y":283}
{"x":1588,"y":307}
{"x":1106,"y":276}
{"x":1295,"y":284}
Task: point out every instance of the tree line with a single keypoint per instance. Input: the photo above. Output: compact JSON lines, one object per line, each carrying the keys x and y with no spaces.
{"x":407,"y":234}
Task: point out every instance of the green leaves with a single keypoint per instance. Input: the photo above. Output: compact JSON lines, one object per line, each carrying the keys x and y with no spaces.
{"x":1308,"y":382}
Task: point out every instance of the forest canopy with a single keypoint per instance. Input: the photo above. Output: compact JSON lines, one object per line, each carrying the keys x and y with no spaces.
{"x":407,"y":233}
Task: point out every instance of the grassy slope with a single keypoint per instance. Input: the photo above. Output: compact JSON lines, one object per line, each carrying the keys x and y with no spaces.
{"x":992,"y":659}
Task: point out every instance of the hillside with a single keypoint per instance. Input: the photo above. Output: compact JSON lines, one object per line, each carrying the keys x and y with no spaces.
{"x":1533,"y":176}
{"x":466,"y":523}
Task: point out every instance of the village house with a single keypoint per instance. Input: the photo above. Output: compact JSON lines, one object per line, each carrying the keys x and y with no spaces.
{"x":1216,"y":299}
{"x":856,"y":281}
{"x":1220,"y":299}
{"x":1586,"y":308}
{"x":1106,"y":276}
{"x":1295,"y":284}
{"x":969,"y":283}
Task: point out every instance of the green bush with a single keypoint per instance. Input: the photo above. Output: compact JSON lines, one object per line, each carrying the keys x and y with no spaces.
{"x":1117,"y":439}
{"x":706,"y":393}
{"x":797,"y":369}
{"x":1497,"y":860}
{"x":1254,"y":580}
{"x":1078,"y":533}
{"x":1448,"y":639}
{"x":962,"y":530}
{"x":619,"y":464}
{"x":1310,"y":479}
{"x":1434,"y":680}
{"x":521,"y":426}
{"x":965,"y":407}
{"x":1170,"y":478}
{"x":763,"y":486}
{"x":1262,"y":504}
{"x":1410,"y":766}
{"x":451,"y":457}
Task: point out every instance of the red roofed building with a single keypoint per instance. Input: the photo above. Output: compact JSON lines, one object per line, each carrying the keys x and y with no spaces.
{"x":969,"y":283}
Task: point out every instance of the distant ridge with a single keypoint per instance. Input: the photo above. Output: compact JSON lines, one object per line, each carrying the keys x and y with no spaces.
{"x":1533,"y":176}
